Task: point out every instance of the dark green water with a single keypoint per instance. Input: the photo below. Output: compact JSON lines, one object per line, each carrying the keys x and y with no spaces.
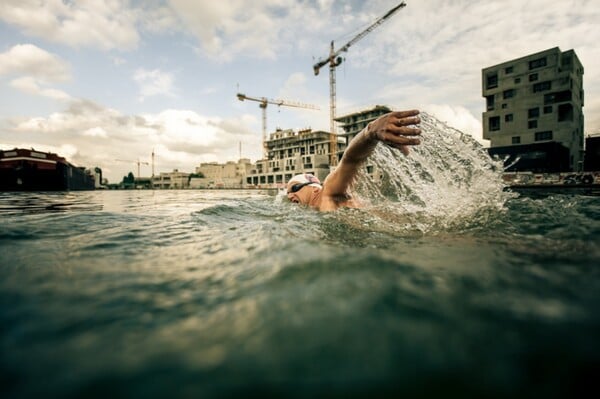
{"x":445,"y":285}
{"x":231,"y":294}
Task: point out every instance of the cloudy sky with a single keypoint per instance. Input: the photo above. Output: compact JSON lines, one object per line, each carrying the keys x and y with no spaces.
{"x":106,"y":82}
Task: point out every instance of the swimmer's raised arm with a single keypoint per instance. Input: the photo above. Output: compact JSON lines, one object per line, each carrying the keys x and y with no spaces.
{"x":396,"y":129}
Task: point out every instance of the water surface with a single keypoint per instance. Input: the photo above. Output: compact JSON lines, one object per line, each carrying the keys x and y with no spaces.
{"x":445,"y":285}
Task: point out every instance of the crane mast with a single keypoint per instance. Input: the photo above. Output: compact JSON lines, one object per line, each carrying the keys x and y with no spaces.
{"x":263,"y":102}
{"x":334,"y":60}
{"x":138,"y":162}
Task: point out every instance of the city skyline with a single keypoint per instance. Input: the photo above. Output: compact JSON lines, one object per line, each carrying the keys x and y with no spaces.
{"x":100,"y":81}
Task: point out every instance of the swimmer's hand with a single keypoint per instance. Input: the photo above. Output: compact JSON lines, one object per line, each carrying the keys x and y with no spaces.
{"x":397,"y":129}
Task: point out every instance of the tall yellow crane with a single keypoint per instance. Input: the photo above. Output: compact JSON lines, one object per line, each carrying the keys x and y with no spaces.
{"x":334,"y":60}
{"x":138,"y":162}
{"x":263,"y":105}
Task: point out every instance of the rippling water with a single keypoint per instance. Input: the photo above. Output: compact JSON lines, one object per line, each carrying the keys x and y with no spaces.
{"x":445,"y":285}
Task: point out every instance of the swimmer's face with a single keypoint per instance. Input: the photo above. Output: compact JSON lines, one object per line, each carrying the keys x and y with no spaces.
{"x":299,"y":193}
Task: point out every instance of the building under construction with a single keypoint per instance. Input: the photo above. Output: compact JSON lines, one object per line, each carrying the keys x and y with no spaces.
{"x":291,"y":152}
{"x":307,"y":151}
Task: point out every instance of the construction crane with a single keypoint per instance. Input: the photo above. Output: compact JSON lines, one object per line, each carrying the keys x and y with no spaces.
{"x":138,"y":162}
{"x":263,"y":105}
{"x":334,"y":60}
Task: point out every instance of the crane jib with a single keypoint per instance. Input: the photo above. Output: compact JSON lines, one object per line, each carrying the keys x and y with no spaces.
{"x":334,"y":54}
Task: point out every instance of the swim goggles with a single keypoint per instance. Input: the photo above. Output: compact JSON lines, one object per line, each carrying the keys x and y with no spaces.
{"x":297,"y":187}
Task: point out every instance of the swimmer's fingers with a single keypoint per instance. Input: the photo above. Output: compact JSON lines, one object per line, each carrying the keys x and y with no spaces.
{"x":405,"y":120}
{"x":399,"y":126}
{"x":403,"y":130}
{"x":398,"y":129}
{"x":401,"y":141}
{"x":404,"y":149}
{"x":395,"y":135}
{"x":404,"y":114}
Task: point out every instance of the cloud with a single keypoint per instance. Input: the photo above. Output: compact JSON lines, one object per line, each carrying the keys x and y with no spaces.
{"x":37,"y":68}
{"x":28,"y":84}
{"x":154,"y":82}
{"x":230,"y":29}
{"x":95,"y":132}
{"x":27,"y":59}
{"x":181,"y":139}
{"x":100,"y":23}
{"x":118,"y":61}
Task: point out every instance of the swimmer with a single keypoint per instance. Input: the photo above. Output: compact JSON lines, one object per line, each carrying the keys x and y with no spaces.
{"x":395,"y":129}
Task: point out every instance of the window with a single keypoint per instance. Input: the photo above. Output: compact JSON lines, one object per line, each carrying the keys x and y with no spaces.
{"x":558,"y":97}
{"x":540,"y":62}
{"x":542,"y":86}
{"x":504,"y":106}
{"x":508,"y":93}
{"x":508,"y":70}
{"x":491,"y":81}
{"x":516,"y":140}
{"x":548,"y":109}
{"x":494,"y":123}
{"x":517,"y":80}
{"x":565,"y":112}
{"x":490,"y":102}
{"x":533,"y":77}
{"x":508,"y":118}
{"x":541,"y":136}
{"x":533,"y":112}
{"x":532,"y":124}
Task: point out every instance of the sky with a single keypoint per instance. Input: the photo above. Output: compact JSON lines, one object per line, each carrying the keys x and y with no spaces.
{"x":105,"y":83}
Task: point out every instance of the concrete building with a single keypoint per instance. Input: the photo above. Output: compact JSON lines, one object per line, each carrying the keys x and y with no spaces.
{"x":306,"y":151}
{"x":171,"y":180}
{"x":354,"y":122}
{"x":289,"y":153}
{"x":216,"y":175}
{"x":534,"y":111}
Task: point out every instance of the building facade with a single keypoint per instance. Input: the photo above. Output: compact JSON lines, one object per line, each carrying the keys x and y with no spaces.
{"x":534,"y":111}
{"x":306,"y":151}
{"x":353,"y":123}
{"x":171,"y":180}
{"x":290,"y":153}
{"x":217,"y":175}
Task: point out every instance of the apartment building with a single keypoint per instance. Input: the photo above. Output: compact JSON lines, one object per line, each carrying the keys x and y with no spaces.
{"x":171,"y":180}
{"x":354,"y":122}
{"x":218,"y":175}
{"x":291,"y":152}
{"x":534,"y":111}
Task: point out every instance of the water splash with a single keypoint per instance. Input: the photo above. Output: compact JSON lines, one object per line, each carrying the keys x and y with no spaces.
{"x":447,"y":182}
{"x":280,"y":196}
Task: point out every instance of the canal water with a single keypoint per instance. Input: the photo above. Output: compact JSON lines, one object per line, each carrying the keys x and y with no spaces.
{"x":444,"y":285}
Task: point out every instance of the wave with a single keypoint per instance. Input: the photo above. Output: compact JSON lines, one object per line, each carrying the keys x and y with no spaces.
{"x":447,"y":182}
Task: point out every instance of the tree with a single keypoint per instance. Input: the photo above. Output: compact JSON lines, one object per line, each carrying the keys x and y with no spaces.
{"x":129,"y":179}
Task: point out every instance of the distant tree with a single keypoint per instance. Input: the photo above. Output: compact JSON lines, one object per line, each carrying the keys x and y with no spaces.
{"x":129,"y":179}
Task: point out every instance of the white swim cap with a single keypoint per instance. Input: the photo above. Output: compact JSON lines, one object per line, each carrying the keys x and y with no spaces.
{"x":304,"y":178}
